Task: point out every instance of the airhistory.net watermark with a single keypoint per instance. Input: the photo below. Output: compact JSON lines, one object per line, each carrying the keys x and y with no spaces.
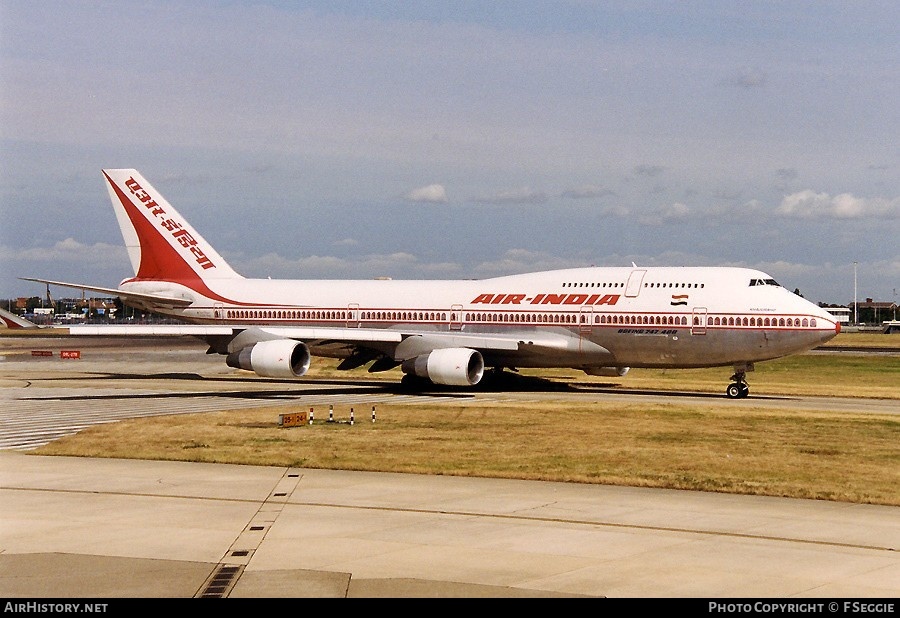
{"x":37,"y":607}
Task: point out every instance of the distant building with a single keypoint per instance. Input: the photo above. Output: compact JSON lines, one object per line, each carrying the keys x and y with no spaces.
{"x":841,"y":313}
{"x":880,"y":306}
{"x":872,"y":312}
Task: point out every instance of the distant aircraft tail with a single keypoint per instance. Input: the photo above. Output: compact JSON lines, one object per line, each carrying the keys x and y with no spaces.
{"x":161,"y":244}
{"x":11,"y":320}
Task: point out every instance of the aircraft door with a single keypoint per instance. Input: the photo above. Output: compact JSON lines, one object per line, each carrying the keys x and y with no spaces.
{"x":586,"y":320}
{"x":219,"y":313}
{"x":698,"y":321}
{"x":353,"y":315}
{"x":633,"y":287}
{"x":456,"y":317}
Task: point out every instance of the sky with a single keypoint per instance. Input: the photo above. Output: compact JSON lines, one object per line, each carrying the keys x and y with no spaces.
{"x":459,"y":140}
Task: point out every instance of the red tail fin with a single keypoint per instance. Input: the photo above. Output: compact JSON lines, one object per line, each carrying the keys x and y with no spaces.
{"x":161,"y":244}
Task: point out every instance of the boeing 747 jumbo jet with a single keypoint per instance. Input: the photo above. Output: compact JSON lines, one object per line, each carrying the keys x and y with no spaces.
{"x":598,"y":320}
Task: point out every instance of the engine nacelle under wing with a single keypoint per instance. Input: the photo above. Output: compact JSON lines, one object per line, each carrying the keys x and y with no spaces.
{"x":279,"y":358}
{"x":608,"y":372}
{"x":448,"y":366}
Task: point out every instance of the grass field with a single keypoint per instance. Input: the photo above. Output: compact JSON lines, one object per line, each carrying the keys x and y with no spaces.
{"x":763,"y":450}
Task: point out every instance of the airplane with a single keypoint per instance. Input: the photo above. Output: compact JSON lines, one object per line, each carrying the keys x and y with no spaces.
{"x":600,"y":320}
{"x":13,"y":322}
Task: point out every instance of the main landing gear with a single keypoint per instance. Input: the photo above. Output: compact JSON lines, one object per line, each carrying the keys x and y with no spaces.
{"x":738,"y":389}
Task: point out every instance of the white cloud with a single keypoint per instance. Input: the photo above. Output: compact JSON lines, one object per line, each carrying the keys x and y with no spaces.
{"x":70,"y":250}
{"x":675,"y":211}
{"x":432,"y":194}
{"x":667,"y":214}
{"x":66,"y":260}
{"x":808,"y":204}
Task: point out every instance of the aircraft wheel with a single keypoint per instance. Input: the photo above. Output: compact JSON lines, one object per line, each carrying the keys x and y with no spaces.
{"x":734,"y":391}
{"x":745,"y":390}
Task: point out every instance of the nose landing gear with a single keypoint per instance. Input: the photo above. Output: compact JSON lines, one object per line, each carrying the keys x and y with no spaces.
{"x":738,"y":389}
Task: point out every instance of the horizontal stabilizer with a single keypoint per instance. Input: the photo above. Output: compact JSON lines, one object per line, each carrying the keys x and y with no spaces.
{"x":154,"y":298}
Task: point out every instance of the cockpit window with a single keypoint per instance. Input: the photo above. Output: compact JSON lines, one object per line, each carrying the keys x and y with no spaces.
{"x":762,"y":282}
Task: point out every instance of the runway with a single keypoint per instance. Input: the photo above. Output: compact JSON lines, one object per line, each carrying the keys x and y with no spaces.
{"x":99,"y":528}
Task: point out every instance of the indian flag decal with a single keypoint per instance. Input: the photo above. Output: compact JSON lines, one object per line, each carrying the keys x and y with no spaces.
{"x":679,"y":299}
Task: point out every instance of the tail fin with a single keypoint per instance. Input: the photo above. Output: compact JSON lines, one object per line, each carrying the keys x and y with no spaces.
{"x":11,"y":320}
{"x":161,"y":244}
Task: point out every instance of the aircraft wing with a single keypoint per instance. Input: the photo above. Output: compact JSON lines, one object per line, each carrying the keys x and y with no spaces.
{"x":404,"y":344}
{"x":167,"y":301}
{"x":29,"y":329}
{"x":284,"y":351}
{"x":410,"y":344}
{"x":400,"y":346}
{"x":344,"y":335}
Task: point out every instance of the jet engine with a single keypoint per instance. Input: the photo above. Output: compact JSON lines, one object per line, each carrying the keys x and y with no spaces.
{"x":449,"y":366}
{"x":607,"y":372}
{"x":279,"y":358}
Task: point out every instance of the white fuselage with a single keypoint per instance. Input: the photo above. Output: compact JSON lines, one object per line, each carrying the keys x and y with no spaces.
{"x":637,"y":317}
